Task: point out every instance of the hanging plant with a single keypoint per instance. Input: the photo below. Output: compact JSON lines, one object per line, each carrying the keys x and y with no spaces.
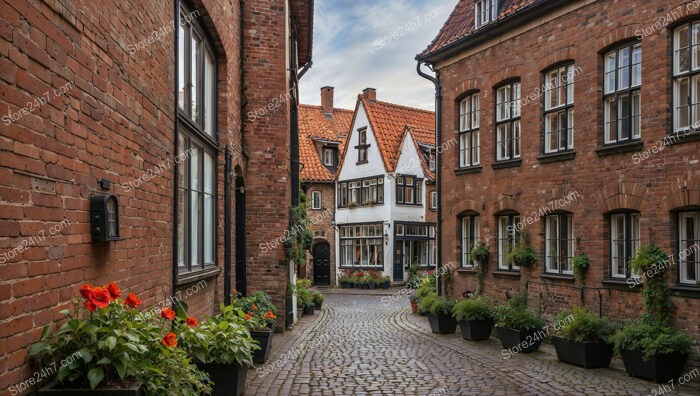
{"x":480,"y":255}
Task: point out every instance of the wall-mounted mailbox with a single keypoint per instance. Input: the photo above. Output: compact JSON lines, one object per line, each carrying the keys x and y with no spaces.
{"x":104,"y":217}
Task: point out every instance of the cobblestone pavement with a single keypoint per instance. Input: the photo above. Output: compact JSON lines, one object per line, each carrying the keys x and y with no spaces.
{"x":362,"y":345}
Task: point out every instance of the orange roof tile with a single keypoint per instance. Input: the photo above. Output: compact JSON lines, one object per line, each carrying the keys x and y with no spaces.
{"x":313,"y":124}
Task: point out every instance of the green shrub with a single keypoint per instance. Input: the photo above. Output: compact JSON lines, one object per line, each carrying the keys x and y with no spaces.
{"x":584,"y":325}
{"x":652,"y":338}
{"x":517,"y":316}
{"x":442,"y":306}
{"x":473,"y":309}
{"x":522,"y":255}
{"x":425,"y":290}
{"x":426,"y":303}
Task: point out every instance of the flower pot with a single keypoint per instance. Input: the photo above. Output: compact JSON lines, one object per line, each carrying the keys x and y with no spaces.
{"x":476,"y":330}
{"x":52,"y":389}
{"x":659,"y":368}
{"x":372,"y":286}
{"x":344,"y":285}
{"x":520,"y":341}
{"x":229,"y":379}
{"x":442,"y":324}
{"x":319,"y":305}
{"x":583,"y":354}
{"x":264,"y":338}
{"x":414,"y":307}
{"x":385,"y":285}
{"x":309,"y":310}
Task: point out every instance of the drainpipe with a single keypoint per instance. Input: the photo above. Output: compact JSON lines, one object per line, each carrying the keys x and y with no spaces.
{"x":227,"y":227}
{"x":438,"y":183}
{"x":176,"y":8}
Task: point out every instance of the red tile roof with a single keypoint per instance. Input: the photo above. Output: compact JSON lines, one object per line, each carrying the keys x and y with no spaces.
{"x":314,"y":125}
{"x":389,"y":122}
{"x":460,"y":24}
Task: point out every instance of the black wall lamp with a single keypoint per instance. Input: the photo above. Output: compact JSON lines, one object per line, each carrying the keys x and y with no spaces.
{"x":104,"y":217}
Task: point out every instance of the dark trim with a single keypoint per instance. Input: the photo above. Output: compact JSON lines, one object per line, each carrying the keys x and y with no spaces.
{"x":685,"y":291}
{"x":557,"y":157}
{"x":681,"y":137}
{"x":466,"y":171}
{"x":513,"y":163}
{"x":506,"y":274}
{"x":377,"y":268}
{"x":622,"y":285}
{"x":557,"y":277}
{"x":620,"y":148}
{"x":466,"y":271}
{"x":198,"y":275}
{"x":227,"y":226}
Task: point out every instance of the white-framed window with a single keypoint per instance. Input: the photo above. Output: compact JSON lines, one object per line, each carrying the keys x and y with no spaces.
{"x":559,"y":109}
{"x":559,"y":243}
{"x":470,"y":238}
{"x":508,"y":121}
{"x":409,"y":190}
{"x":315,"y":200}
{"x":689,"y":247}
{"x":433,"y":200}
{"x":361,"y":245}
{"x":362,"y":146}
{"x":485,"y":11}
{"x":686,"y":77}
{"x":328,"y":156}
{"x":624,"y":243}
{"x":507,"y":239}
{"x":469,"y":146}
{"x":622,"y":100}
{"x":361,"y":192}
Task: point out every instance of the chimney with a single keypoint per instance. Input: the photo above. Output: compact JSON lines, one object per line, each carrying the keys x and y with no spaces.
{"x":370,"y":94}
{"x":327,"y":100}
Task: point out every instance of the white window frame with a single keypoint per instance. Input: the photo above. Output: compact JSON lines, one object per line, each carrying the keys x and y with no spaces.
{"x":508,"y":127}
{"x":688,"y":247}
{"x":620,"y":81}
{"x":328,"y":156}
{"x":316,"y":200}
{"x":624,"y":243}
{"x":469,"y":144}
{"x":470,"y":237}
{"x":507,"y":240}
{"x":485,"y":11}
{"x":559,"y":108}
{"x":433,"y":200}
{"x":556,"y":260}
{"x":688,"y":103}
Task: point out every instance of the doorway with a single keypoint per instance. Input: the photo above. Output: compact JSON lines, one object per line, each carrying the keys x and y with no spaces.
{"x":322,"y":264}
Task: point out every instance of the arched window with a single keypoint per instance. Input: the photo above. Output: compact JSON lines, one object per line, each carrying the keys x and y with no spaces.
{"x":559,"y":243}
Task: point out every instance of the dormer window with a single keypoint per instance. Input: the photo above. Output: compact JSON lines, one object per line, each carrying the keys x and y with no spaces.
{"x":485,"y":11}
{"x":429,"y":155}
{"x":329,"y":157}
{"x":362,"y":146}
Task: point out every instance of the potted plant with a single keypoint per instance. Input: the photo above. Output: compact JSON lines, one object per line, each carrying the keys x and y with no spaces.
{"x":480,"y":253}
{"x":475,"y":318}
{"x":358,"y":279}
{"x":584,"y":339}
{"x":318,"y":299}
{"x":345,"y":281}
{"x":110,"y":348}
{"x":260,"y":317}
{"x":518,"y":327}
{"x":580,"y":264}
{"x":413,"y":280}
{"x":421,"y":293}
{"x":370,"y":281}
{"x":385,"y":282}
{"x":223,"y":347}
{"x":414,"y":303}
{"x":439,"y":311}
{"x":522,"y":255}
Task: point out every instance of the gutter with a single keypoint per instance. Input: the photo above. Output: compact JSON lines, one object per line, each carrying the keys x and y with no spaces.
{"x":176,"y":9}
{"x":438,"y":124}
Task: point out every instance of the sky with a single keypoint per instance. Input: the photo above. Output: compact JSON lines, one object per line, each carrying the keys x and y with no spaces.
{"x":373,"y":43}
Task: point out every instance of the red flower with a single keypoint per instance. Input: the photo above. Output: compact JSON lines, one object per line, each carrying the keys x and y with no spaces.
{"x":192,"y":322}
{"x":255,"y":307}
{"x":100,"y":297}
{"x":247,"y":316}
{"x":170,"y":340}
{"x":114,"y":290}
{"x":167,"y":313}
{"x":90,"y":305}
{"x":86,"y":290}
{"x":270,"y":315}
{"x":132,"y":300}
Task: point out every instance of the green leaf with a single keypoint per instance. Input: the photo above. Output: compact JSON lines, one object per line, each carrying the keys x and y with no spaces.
{"x":38,"y":348}
{"x":121,"y":367}
{"x":85,"y":354}
{"x":103,"y":361}
{"x":111,"y":342}
{"x":131,"y":336}
{"x":95,"y":376}
{"x":45,"y":332}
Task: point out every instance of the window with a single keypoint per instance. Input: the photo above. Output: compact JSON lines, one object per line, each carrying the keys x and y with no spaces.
{"x":469,"y":131}
{"x":686,"y":74}
{"x":622,"y":102}
{"x":429,"y":156}
{"x":507,"y":238}
{"x":624,"y":243}
{"x":315,"y":200}
{"x":415,"y":243}
{"x":329,"y":157}
{"x":508,"y":122}
{"x":197,"y":119}
{"x":470,"y":238}
{"x":409,"y":190}
{"x":559,"y":243}
{"x":361,"y":192}
{"x":361,"y":246}
{"x":362,"y":146}
{"x":559,"y":109}
{"x":485,"y":11}
{"x":433,"y":200}
{"x":689,"y":247}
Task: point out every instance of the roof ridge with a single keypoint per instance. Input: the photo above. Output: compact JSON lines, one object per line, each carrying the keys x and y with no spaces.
{"x":398,"y":105}
{"x":320,"y":107}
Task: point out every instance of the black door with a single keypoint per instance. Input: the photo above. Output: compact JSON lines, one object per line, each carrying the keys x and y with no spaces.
{"x":398,"y":261}
{"x":322,"y":264}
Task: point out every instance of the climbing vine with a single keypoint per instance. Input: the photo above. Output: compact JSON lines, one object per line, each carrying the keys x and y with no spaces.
{"x":651,"y":264}
{"x":299,"y":238}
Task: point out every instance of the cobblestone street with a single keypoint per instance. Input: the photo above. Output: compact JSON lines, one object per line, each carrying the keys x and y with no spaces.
{"x":361,"y":345}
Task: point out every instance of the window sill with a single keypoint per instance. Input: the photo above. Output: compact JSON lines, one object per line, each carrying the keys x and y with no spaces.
{"x":685,"y":291}
{"x":466,"y":171}
{"x":362,"y":268}
{"x":411,"y":205}
{"x":681,"y":137}
{"x":361,"y":162}
{"x":623,"y":285}
{"x":556,"y":157}
{"x":558,"y":277}
{"x":619,"y":148}
{"x":507,"y":164}
{"x":197,"y":276}
{"x":466,"y":271}
{"x":506,"y":274}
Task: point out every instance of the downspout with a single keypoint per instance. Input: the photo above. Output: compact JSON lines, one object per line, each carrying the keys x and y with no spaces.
{"x":244,"y":98}
{"x":176,"y":8}
{"x":438,"y":182}
{"x":227,"y":227}
{"x":294,"y":132}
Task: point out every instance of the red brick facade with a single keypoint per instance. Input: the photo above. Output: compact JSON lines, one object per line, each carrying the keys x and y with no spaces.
{"x":607,"y":180}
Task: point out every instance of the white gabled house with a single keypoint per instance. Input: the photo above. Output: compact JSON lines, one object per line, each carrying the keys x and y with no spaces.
{"x":385,"y":214}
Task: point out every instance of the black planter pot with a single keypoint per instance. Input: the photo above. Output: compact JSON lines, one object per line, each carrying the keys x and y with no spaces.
{"x":476,"y":330}
{"x":372,"y":286}
{"x":51,"y":389}
{"x":309,"y":310}
{"x":385,"y":285}
{"x":520,"y":341}
{"x":319,"y":305}
{"x":659,"y":368}
{"x":442,"y":324}
{"x":229,"y":379}
{"x":345,"y":285}
{"x":264,"y":338}
{"x":583,"y":354}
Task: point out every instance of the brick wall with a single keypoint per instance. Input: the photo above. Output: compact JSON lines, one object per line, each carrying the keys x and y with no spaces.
{"x":320,"y":220}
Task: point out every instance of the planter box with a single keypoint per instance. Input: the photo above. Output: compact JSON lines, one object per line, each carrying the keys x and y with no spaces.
{"x":442,"y":324}
{"x":345,"y":285}
{"x":385,"y":285}
{"x":372,"y":286}
{"x":659,"y":368}
{"x":414,"y":307}
{"x":229,"y":379}
{"x":309,"y":310}
{"x":583,"y":354}
{"x":520,"y":341}
{"x":476,"y":330}
{"x":50,"y":389}
{"x":319,"y":305}
{"x":264,"y":338}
